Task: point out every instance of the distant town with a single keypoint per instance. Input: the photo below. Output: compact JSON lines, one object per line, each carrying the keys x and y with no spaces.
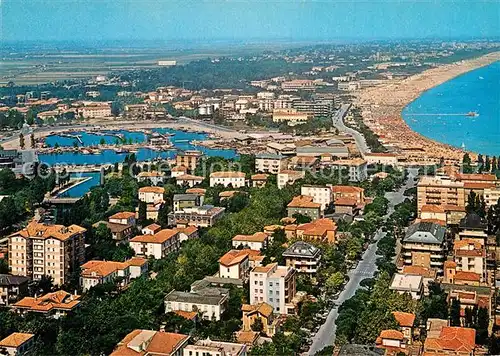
{"x":269,"y":203}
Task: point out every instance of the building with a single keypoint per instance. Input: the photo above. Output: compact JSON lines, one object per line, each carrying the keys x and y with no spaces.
{"x":470,"y":256}
{"x":439,"y":190}
{"x":262,"y":311}
{"x":47,"y":250}
{"x":406,"y":323}
{"x":298,"y":84}
{"x":183,"y":201}
{"x":424,"y":245}
{"x":304,"y":205}
{"x":188,"y":180}
{"x":17,"y":344}
{"x":201,"y":216}
{"x":347,"y":86}
{"x":151,"y":195}
{"x":346,"y":206}
{"x":291,"y":117}
{"x":289,"y":177}
{"x":228,"y":179}
{"x":338,"y":151}
{"x":158,"y":245}
{"x":451,"y":340}
{"x":259,"y":180}
{"x":428,"y":275}
{"x":385,"y":158}
{"x":304,"y":257}
{"x":99,"y":272}
{"x":411,"y":284}
{"x":491,"y":196}
{"x":235,"y":264}
{"x":356,"y":167}
{"x":189,"y":159}
{"x":208,"y":302}
{"x":178,"y":171}
{"x":123,"y":218}
{"x":187,"y":233}
{"x":269,"y":163}
{"x":349,"y":192}
{"x":54,"y":304}
{"x":95,"y":111}
{"x":320,"y":230}
{"x":275,"y":285}
{"x":215,"y":348}
{"x":319,"y":108}
{"x":20,"y":162}
{"x":473,"y":227}
{"x":433,"y":212}
{"x":149,"y":343}
{"x":12,"y":288}
{"x":392,"y":341}
{"x":154,"y":177}
{"x":256,"y":242}
{"x":321,"y":194}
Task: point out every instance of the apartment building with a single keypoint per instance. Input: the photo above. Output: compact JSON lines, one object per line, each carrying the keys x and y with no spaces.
{"x":151,"y":195}
{"x":12,"y":288}
{"x":319,"y":108}
{"x":236,"y":264}
{"x":357,"y":168}
{"x":183,"y":201}
{"x":99,"y":272}
{"x":321,"y":194}
{"x":289,"y":177}
{"x":233,"y":179}
{"x":150,"y":342}
{"x":17,"y":344}
{"x":270,"y":163}
{"x":291,"y":117}
{"x":424,"y":245}
{"x":304,"y":257}
{"x":47,"y":250}
{"x":155,"y":177}
{"x":349,"y":192}
{"x":408,"y":283}
{"x":491,"y":196}
{"x":95,"y":111}
{"x":470,"y":256}
{"x":200,"y":216}
{"x":256,"y":242}
{"x":209,"y":302}
{"x":188,"y":180}
{"x":215,"y":348}
{"x":275,"y":285}
{"x":304,"y":205}
{"x":473,"y":227}
{"x":320,"y":230}
{"x":439,"y":190}
{"x":159,"y":245}
{"x":298,"y":84}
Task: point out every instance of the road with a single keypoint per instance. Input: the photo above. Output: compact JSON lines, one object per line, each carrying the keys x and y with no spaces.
{"x":365,"y":269}
{"x":338,"y":122}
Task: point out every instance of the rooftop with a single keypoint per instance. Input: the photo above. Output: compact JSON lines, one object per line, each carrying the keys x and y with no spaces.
{"x":262,"y":308}
{"x":122,"y":215}
{"x":148,"y":342}
{"x":196,"y":297}
{"x":42,"y":231}
{"x":302,"y":249}
{"x":408,"y":282}
{"x":16,"y":339}
{"x":404,"y":319}
{"x":59,"y":300}
{"x":227,"y":174}
{"x":303,"y":201}
{"x":257,"y":237}
{"x":425,"y":232}
{"x":452,"y":339}
{"x":158,"y":238}
{"x":157,"y":190}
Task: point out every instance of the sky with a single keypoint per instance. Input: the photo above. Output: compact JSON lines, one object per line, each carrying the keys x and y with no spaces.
{"x":171,"y":20}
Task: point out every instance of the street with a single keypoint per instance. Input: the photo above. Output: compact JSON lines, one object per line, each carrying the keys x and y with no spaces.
{"x":338,"y":122}
{"x":365,"y":269}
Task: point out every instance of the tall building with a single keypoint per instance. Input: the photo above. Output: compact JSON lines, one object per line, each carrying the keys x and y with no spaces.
{"x":188,"y":159}
{"x":319,"y":108}
{"x":439,"y":190}
{"x":275,"y":285}
{"x":269,"y":163}
{"x":50,"y":250}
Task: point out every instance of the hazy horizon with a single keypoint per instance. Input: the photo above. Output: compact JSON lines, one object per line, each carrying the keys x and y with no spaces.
{"x":87,"y":21}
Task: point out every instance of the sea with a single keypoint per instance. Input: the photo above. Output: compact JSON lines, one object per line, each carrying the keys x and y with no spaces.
{"x":440,"y":113}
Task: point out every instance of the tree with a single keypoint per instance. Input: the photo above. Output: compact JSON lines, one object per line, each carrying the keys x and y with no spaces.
{"x":102,"y":141}
{"x":32,"y":141}
{"x":257,"y":325}
{"x":455,"y":312}
{"x":483,"y":320}
{"x":487,"y":164}
{"x":301,"y":219}
{"x":466,"y":164}
{"x":163,"y":215}
{"x":142,"y":214}
{"x":335,"y":281}
{"x":21,"y":141}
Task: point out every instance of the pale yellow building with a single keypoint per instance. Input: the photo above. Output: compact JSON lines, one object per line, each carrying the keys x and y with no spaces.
{"x":439,"y":190}
{"x":291,"y":116}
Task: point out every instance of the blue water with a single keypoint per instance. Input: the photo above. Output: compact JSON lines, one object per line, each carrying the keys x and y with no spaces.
{"x":180,"y":141}
{"x":81,"y":189}
{"x":479,"y":91}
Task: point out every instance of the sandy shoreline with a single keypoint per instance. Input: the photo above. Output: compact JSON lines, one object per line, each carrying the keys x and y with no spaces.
{"x":382,"y":110}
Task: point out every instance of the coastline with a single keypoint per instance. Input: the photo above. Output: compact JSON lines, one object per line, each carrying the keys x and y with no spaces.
{"x":382,"y":111}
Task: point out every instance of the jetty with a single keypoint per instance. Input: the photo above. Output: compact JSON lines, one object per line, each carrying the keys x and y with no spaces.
{"x":76,"y":137}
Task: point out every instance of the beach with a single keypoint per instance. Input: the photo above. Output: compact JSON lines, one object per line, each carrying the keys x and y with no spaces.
{"x":382,"y":108}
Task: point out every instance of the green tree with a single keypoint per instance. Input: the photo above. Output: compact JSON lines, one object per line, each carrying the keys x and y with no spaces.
{"x":467,"y":164}
{"x":142,"y":214}
{"x":335,"y":281}
{"x":257,"y":325}
{"x":455,"y":312}
{"x":32,"y":141}
{"x":163,"y":215}
{"x":102,"y":141}
{"x":21,"y":141}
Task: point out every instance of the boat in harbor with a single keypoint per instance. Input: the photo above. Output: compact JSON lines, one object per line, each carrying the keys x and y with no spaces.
{"x":472,"y":114}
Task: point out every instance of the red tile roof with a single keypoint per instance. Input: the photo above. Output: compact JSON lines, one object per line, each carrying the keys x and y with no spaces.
{"x":404,"y":319}
{"x":452,"y":339}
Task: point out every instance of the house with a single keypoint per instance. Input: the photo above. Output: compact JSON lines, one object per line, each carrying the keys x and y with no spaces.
{"x":188,"y":159}
{"x":406,"y":322}
{"x":304,"y":205}
{"x":17,"y":344}
{"x":428,"y":275}
{"x":98,"y":272}
{"x":209,"y":302}
{"x":235,"y":264}
{"x":154,"y":177}
{"x":304,"y":257}
{"x":411,"y":284}
{"x":188,"y":180}
{"x":249,"y":338}
{"x":47,"y":250}
{"x":321,"y":194}
{"x":200,"y":191}
{"x":259,"y":180}
{"x":390,"y":159}
{"x":123,"y":218}
{"x":346,"y":206}
{"x":151,"y":195}
{"x":257,"y":241}
{"x":119,"y":232}
{"x":228,"y":179}
{"x":178,"y":171}
{"x":159,"y":245}
{"x":12,"y":288}
{"x":357,"y":168}
{"x":470,"y":256}
{"x":320,"y":230}
{"x":289,"y":177}
{"x":216,"y":348}
{"x":200,"y":216}
{"x":187,"y":233}
{"x":262,"y":311}
{"x":393,"y":341}
{"x":151,"y":229}
{"x":424,"y":245}
{"x":55,"y":304}
{"x":182,"y":201}
{"x":275,"y":285}
{"x":269,"y":163}
{"x":349,"y":192}
{"x":452,"y":340}
{"x":149,"y":342}
{"x":473,"y":227}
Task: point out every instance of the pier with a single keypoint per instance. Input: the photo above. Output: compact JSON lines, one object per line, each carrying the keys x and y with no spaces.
{"x":77,"y":137}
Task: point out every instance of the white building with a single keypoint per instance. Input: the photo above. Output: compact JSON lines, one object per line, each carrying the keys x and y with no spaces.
{"x":17,"y":344}
{"x":151,"y":195}
{"x":269,"y":163}
{"x":159,"y":245}
{"x":408,"y":283}
{"x":234,"y":179}
{"x":95,"y":111}
{"x":289,"y":177}
{"x":357,"y":168}
{"x":209,"y":302}
{"x":321,"y":194}
{"x":123,"y":218}
{"x":215,"y":348}
{"x":256,"y":242}
{"x":491,"y":196}
{"x":156,"y":178}
{"x":275,"y":285}
{"x":234,"y":264}
{"x":188,"y":180}
{"x":390,"y":159}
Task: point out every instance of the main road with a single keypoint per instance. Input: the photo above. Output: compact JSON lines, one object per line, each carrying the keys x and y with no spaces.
{"x":365,"y":269}
{"x":338,"y":122}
